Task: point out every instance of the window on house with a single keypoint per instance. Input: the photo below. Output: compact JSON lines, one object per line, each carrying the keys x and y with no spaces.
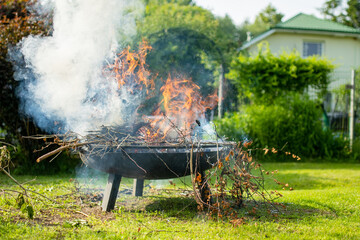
{"x":312,"y":48}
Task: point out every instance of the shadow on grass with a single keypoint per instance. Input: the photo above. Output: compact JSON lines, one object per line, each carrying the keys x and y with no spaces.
{"x":185,"y":208}
{"x":165,"y":206}
{"x":180,"y":207}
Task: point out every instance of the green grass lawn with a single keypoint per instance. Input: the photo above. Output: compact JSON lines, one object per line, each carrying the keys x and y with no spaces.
{"x":325,"y":204}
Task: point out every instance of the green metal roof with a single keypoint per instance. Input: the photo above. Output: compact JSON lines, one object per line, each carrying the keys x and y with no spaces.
{"x":306,"y":23}
{"x":311,"y":23}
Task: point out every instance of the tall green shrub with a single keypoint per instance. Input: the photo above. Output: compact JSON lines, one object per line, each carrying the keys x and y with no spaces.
{"x":292,"y":122}
{"x":263,"y":77}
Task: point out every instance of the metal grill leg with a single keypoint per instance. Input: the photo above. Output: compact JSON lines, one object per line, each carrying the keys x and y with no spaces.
{"x":111,"y":192}
{"x":138,"y":187}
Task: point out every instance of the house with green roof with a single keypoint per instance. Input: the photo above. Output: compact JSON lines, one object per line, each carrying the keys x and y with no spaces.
{"x":313,"y":36}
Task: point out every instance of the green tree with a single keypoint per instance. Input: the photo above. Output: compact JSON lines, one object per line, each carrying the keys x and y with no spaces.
{"x":228,"y":37}
{"x":353,"y":14}
{"x":162,"y":15}
{"x":347,"y":13}
{"x":332,"y":9}
{"x":159,"y":2}
{"x":188,"y":39}
{"x":266,"y":19}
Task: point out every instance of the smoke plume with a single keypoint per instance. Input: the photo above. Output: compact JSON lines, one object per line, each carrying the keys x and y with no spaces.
{"x":62,"y":84}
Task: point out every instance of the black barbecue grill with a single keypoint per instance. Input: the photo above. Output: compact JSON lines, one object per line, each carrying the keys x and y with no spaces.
{"x":148,"y":162}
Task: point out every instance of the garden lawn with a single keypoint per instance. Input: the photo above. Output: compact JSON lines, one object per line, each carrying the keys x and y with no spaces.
{"x":325,"y":204}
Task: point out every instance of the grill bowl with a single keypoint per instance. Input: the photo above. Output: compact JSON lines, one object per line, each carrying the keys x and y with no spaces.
{"x":151,"y":162}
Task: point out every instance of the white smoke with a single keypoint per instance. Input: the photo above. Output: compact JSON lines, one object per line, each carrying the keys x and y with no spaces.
{"x":63,"y":79}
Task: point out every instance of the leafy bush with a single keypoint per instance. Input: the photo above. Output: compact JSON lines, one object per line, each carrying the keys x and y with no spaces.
{"x":292,"y":123}
{"x":264,"y":76}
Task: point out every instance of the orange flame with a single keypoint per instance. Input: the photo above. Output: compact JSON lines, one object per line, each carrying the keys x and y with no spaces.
{"x":129,"y":69}
{"x":181,"y":104}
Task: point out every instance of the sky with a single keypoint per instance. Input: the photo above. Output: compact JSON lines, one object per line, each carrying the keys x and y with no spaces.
{"x":240,"y":10}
